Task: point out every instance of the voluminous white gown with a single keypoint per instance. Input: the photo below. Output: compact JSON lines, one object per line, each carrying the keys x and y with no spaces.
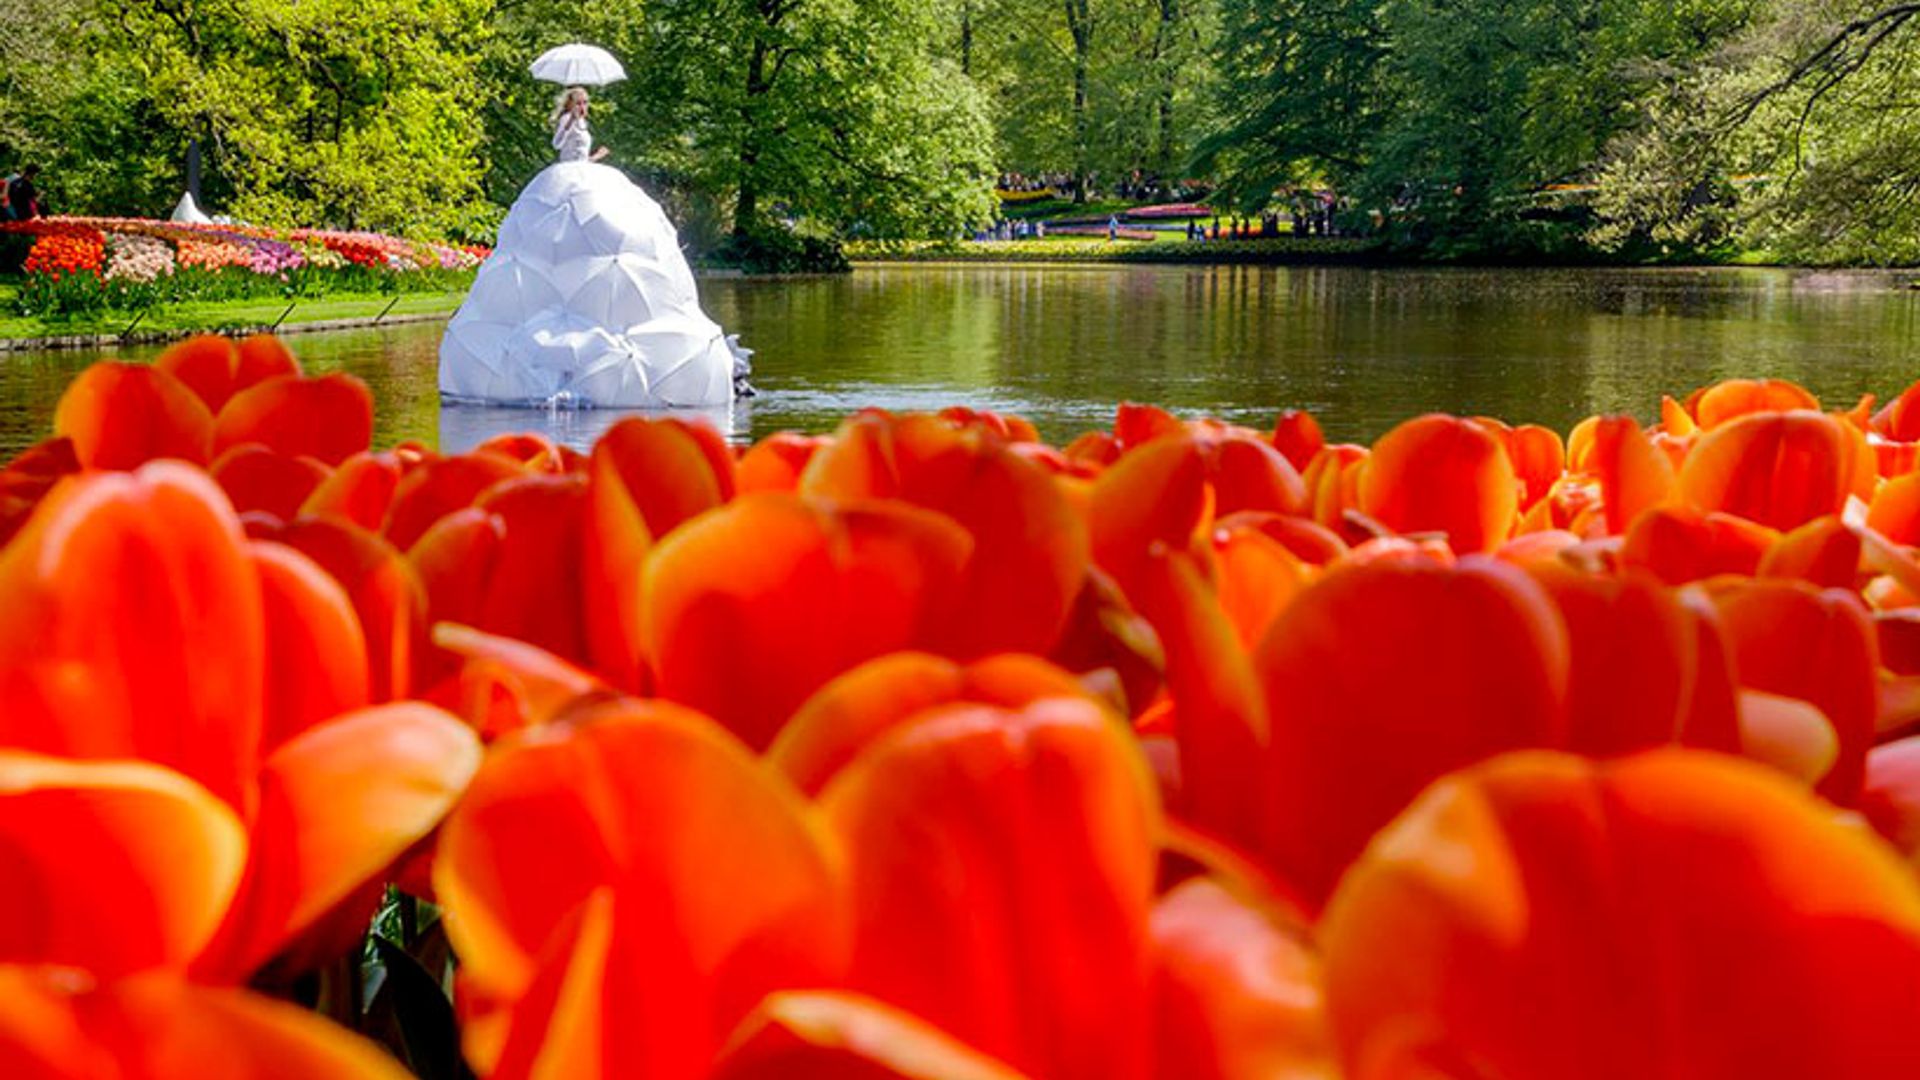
{"x":586,"y":302}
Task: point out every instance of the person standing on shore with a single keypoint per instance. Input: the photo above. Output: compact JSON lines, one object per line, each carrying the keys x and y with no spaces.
{"x":23,"y":197}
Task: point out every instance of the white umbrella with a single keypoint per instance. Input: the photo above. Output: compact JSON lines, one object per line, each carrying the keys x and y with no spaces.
{"x":578,"y":65}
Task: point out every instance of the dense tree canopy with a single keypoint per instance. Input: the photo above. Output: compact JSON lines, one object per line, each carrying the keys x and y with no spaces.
{"x":1452,"y":128}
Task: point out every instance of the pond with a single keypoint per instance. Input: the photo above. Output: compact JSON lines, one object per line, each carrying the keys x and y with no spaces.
{"x":1361,"y":348}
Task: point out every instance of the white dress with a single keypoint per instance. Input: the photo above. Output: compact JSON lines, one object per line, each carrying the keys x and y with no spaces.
{"x":586,"y":302}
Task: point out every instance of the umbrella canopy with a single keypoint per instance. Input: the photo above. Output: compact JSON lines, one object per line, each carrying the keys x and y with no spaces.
{"x":578,"y":65}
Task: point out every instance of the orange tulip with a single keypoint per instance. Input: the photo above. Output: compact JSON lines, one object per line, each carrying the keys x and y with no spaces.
{"x":1822,"y":552}
{"x":1779,"y":469}
{"x":857,"y":709}
{"x":216,"y":368}
{"x":437,"y":488}
{"x":359,"y":491}
{"x":134,"y":648}
{"x":1669,"y":914}
{"x":1678,"y":544}
{"x":1029,"y":548}
{"x":27,"y":479}
{"x":776,"y":462}
{"x":623,"y":887}
{"x":1815,"y":645}
{"x":1735,"y":398}
{"x":1048,"y":816}
{"x":329,"y":418}
{"x":1634,"y":476}
{"x":1648,"y":665}
{"x":119,"y":416}
{"x":835,"y":1035}
{"x":258,"y":479}
{"x":1236,"y":996}
{"x":1442,"y":474}
{"x":1380,"y":678}
{"x":796,"y":590}
{"x":1297,"y":435}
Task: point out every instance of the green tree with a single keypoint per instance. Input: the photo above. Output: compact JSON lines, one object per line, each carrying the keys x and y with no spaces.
{"x":1298,"y":95}
{"x":1798,"y":137}
{"x":832,"y":111}
{"x":359,"y":113}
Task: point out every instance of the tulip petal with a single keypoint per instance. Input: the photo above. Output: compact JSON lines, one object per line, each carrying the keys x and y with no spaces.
{"x":855,"y":710}
{"x":439,"y":488}
{"x":338,"y":805}
{"x":1234,"y":996}
{"x":133,"y":628}
{"x":673,"y":470}
{"x":1791,"y":639}
{"x":1002,"y":867}
{"x":258,"y":479}
{"x":359,"y":491}
{"x":216,"y":368}
{"x":833,"y":1035}
{"x":158,"y":1027}
{"x":708,"y":853}
{"x":329,"y":418}
{"x":1640,"y":674}
{"x":1443,"y":474}
{"x":1156,"y":494}
{"x":385,"y":592}
{"x":1382,"y":677}
{"x":316,"y":652}
{"x":1541,"y":915}
{"x":1779,"y":469}
{"x":120,"y":416}
{"x":112,"y":867}
{"x":1634,"y":476}
{"x":1029,"y":546}
{"x":800,"y":590}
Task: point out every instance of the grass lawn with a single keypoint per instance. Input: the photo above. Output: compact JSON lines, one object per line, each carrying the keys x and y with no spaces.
{"x":221,"y":315}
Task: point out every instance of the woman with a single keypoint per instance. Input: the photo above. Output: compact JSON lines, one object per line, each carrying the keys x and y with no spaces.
{"x":586,"y":301}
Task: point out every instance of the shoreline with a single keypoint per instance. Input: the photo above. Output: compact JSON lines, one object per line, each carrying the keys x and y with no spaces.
{"x":1909,"y":275}
{"x":161,"y":337}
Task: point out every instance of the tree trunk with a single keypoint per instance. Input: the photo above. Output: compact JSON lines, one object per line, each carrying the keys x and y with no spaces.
{"x":746,"y":209}
{"x":1169,"y":67}
{"x":966,"y":37}
{"x":1080,"y":27}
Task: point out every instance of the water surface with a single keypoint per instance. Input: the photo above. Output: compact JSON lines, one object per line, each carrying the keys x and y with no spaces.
{"x":1362,"y":348}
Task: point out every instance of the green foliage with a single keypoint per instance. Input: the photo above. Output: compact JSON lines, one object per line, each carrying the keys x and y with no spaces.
{"x":826,"y":111}
{"x":1091,"y":86}
{"x":1448,"y":117}
{"x":775,"y":249}
{"x":1778,"y":142}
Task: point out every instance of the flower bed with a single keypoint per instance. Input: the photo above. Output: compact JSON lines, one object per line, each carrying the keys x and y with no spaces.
{"x":85,"y":264}
{"x":926,"y":749}
{"x":1171,"y":210}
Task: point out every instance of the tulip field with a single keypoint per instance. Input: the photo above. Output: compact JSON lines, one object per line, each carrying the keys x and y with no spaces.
{"x":923,"y":749}
{"x":77,"y":264}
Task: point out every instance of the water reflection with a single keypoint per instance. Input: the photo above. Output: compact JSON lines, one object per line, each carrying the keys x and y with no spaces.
{"x":1362,"y":348}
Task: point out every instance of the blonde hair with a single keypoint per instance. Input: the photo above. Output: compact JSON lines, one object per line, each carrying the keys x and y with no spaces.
{"x":567,"y":97}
